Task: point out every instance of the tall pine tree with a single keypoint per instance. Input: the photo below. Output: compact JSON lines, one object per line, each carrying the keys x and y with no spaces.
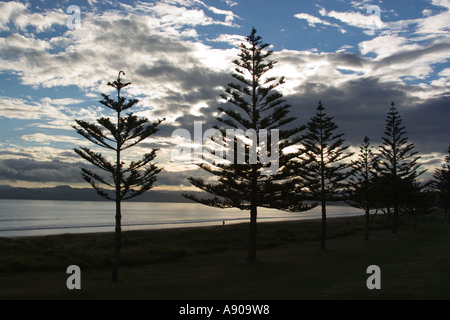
{"x":120,"y":182}
{"x":397,"y":165}
{"x":321,"y":166}
{"x":254,"y":105}
{"x":360,"y":194}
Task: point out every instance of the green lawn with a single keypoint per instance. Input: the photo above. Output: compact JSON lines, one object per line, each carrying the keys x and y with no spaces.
{"x":209,"y":263}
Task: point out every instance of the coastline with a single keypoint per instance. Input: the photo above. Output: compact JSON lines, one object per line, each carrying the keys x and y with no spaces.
{"x":43,"y":217}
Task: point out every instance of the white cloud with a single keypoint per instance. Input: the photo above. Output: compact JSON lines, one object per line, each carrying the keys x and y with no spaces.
{"x":361,"y":5}
{"x":441,"y":3}
{"x":9,"y":11}
{"x":427,"y":12}
{"x":232,"y":39}
{"x":386,"y":45}
{"x":176,"y":14}
{"x":48,"y":113}
{"x":15,"y":108}
{"x":435,"y":24}
{"x":148,"y":34}
{"x":357,"y":19}
{"x":229,"y":15}
{"x":17,"y":15}
{"x":48,"y":139}
{"x":15,"y":44}
{"x":231,"y":3}
{"x":344,"y":48}
{"x":41,"y":21}
{"x":312,"y":20}
{"x":445,"y":73}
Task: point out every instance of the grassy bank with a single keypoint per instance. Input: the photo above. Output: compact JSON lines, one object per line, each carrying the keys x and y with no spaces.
{"x":209,"y":263}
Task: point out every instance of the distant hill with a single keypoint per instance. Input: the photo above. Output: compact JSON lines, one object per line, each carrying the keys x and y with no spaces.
{"x":82,"y":194}
{"x":89,"y":194}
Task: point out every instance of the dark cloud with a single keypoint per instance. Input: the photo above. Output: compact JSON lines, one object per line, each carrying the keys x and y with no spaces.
{"x":414,"y":55}
{"x":347,"y":59}
{"x":40,"y":171}
{"x":58,"y":171}
{"x":360,"y":108}
{"x":190,"y":78}
{"x":178,"y":179}
{"x":13,"y":153}
{"x":427,"y":124}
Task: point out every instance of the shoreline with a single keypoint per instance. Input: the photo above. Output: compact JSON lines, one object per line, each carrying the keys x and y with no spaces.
{"x":40,"y":218}
{"x":183,"y":226}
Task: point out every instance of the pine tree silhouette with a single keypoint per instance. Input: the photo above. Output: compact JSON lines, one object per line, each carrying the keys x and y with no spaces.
{"x":397,"y":163}
{"x":361,"y":193}
{"x":253,"y":104}
{"x":320,"y":165}
{"x":121,"y":182}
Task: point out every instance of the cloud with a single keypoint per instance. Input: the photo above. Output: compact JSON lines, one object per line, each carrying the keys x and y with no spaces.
{"x":15,"y":44}
{"x":9,"y":11}
{"x":16,"y":108}
{"x":54,"y":113}
{"x":427,"y":12}
{"x":232,"y":39}
{"x":45,"y":139}
{"x":39,"y":171}
{"x":89,"y":55}
{"x":231,"y":3}
{"x":361,"y":5}
{"x":16,"y":15}
{"x":312,"y":20}
{"x":356,"y":19}
{"x":177,"y":14}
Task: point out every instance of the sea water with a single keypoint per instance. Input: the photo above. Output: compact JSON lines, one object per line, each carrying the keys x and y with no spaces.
{"x":20,"y":218}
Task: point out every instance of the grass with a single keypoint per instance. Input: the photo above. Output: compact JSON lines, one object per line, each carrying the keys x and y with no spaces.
{"x":209,"y":263}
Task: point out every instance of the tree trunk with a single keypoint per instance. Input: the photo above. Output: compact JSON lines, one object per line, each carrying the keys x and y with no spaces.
{"x":323,"y":245}
{"x":395,"y":217}
{"x":253,"y":215}
{"x":253,"y":232}
{"x":118,"y":184}
{"x":117,"y":244}
{"x":367,"y":224}
{"x":415,"y":219}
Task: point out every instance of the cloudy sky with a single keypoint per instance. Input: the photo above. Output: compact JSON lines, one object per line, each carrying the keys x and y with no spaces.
{"x":354,"y":56}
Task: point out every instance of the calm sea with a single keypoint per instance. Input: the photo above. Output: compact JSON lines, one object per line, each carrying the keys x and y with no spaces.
{"x":20,"y":218}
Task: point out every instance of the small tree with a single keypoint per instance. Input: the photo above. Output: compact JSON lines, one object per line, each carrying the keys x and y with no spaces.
{"x":397,"y":162}
{"x":442,"y":186}
{"x":360,"y":182}
{"x":321,"y":166}
{"x":253,"y":107}
{"x":121,"y":182}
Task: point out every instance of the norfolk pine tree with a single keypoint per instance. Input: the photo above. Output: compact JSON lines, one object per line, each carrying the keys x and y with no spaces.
{"x":253,"y":104}
{"x":397,"y":164}
{"x":360,"y":194}
{"x":121,"y":182}
{"x":320,"y":164}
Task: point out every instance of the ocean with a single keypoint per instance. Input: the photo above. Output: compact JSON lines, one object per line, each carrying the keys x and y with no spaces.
{"x":21,"y":218}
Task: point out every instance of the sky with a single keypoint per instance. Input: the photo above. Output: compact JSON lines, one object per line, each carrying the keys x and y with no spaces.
{"x":355,"y":56}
